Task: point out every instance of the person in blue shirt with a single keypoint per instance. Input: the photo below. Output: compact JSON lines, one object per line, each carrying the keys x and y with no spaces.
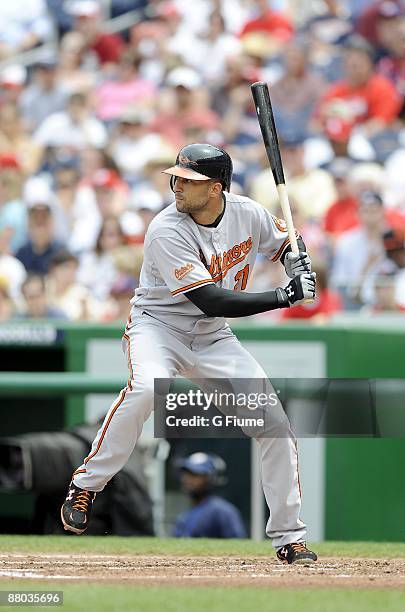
{"x":210,"y":516}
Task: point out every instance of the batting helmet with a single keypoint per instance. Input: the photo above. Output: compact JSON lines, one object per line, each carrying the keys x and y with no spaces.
{"x":205,"y":463}
{"x":201,"y":162}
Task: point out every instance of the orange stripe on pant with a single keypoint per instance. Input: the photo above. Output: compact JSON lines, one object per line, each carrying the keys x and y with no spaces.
{"x":78,"y":472}
{"x":131,"y":372}
{"x":113,"y":411}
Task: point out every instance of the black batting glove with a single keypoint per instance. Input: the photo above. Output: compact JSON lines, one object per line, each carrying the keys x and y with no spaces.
{"x":299,"y":289}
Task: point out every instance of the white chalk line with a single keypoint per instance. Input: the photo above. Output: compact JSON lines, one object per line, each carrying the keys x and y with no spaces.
{"x":21,"y":573}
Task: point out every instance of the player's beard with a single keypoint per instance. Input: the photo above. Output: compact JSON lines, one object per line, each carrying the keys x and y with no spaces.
{"x":190,"y":207}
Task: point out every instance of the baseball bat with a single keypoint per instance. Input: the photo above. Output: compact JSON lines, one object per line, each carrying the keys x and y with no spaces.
{"x":261,"y":97}
{"x":264,"y":111}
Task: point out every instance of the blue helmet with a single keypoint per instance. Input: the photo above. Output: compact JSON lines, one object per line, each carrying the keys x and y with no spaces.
{"x":205,"y":463}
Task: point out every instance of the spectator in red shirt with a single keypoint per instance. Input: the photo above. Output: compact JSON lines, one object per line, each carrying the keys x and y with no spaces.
{"x":268,"y":21}
{"x":342,"y":214}
{"x":363,"y":97}
{"x":87,"y":20}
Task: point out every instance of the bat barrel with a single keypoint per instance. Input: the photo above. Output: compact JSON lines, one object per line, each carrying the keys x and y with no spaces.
{"x":261,"y":98}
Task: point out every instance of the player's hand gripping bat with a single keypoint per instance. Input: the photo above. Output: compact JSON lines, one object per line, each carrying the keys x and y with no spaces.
{"x":261,"y":97}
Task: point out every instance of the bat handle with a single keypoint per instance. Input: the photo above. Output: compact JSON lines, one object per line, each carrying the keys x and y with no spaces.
{"x":285,"y":207}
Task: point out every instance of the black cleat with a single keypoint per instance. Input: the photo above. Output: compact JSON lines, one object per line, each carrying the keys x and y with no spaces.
{"x":76,"y":509}
{"x":297,"y":553}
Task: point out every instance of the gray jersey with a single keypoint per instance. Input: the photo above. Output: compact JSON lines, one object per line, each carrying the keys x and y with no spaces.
{"x":180,"y":255}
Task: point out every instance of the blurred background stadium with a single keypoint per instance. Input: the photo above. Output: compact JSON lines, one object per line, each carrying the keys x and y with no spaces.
{"x":96,"y":97}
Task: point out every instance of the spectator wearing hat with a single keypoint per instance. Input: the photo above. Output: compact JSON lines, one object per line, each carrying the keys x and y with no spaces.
{"x":73,"y":129}
{"x":342,"y":215}
{"x":16,"y":141}
{"x":361,"y":98}
{"x":13,"y":214}
{"x":41,"y":244}
{"x":312,"y":188}
{"x":359,"y":253}
{"x":44,"y":96}
{"x":210,"y":516}
{"x":12,"y":82}
{"x":87,"y":20}
{"x":35,"y":300}
{"x":126,"y":88}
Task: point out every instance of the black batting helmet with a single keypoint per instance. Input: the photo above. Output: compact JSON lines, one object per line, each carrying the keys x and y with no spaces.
{"x":201,"y":162}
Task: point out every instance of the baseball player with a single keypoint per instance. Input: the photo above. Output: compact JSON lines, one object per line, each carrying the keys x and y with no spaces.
{"x":198,"y":255}
{"x":210,"y":516}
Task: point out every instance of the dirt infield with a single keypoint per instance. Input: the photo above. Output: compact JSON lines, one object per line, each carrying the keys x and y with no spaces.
{"x":215,"y":571}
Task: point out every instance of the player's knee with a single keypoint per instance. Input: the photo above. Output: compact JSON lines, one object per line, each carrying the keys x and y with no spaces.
{"x":145,"y":381}
{"x":143,"y":387}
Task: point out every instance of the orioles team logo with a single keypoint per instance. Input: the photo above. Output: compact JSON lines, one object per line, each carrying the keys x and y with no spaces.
{"x":185,"y":161}
{"x":280,"y":223}
{"x":180,"y":273}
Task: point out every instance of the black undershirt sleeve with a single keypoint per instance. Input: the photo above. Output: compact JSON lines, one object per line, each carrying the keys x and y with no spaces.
{"x":216,"y":302}
{"x":301,"y":247}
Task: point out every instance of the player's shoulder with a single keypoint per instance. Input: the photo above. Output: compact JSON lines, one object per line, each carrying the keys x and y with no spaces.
{"x":243,"y":204}
{"x":166,"y":223}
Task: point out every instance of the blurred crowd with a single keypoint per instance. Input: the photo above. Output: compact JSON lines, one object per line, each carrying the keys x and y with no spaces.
{"x":86,"y":129}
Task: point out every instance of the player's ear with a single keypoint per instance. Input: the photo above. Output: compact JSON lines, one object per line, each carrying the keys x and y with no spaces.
{"x":215,"y":188}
